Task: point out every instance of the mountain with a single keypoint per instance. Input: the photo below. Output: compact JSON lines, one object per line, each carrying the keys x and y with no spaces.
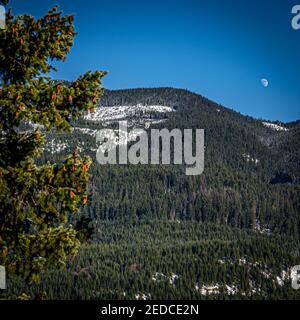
{"x":251,"y":176}
{"x":230,"y":233}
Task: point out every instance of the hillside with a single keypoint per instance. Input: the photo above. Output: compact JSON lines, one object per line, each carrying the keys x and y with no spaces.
{"x":173,"y":260}
{"x":155,"y":233}
{"x":251,"y":176}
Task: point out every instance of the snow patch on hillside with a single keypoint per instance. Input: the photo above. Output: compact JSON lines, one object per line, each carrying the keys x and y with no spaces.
{"x":248,"y":158}
{"x":208,"y":290}
{"x":274,"y":126}
{"x":233,"y":289}
{"x":91,"y":132}
{"x":115,"y":113}
{"x":286,"y":275}
{"x":143,"y":296}
{"x":158,"y":276}
{"x":173,"y":278}
{"x":216,"y":289}
{"x":55,"y":146}
{"x":262,"y":228}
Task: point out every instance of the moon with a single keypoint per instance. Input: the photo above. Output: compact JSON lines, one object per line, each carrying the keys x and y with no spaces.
{"x":264,"y":82}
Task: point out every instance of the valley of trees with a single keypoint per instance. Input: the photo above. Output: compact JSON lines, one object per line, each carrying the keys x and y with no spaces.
{"x":138,"y":260}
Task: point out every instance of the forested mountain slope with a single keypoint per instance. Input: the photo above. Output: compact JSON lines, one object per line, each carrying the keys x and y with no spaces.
{"x":251,"y":175}
{"x":173,"y":260}
{"x":156,"y":233}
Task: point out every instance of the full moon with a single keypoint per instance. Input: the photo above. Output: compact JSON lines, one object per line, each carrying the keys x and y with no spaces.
{"x":264,"y":82}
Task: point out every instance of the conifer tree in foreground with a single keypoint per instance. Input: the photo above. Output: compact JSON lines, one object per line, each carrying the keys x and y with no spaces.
{"x":36,"y":200}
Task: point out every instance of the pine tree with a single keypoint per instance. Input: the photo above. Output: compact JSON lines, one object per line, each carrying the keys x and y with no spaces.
{"x":36,"y":200}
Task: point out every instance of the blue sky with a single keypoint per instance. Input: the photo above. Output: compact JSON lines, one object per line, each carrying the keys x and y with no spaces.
{"x":218,"y":48}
